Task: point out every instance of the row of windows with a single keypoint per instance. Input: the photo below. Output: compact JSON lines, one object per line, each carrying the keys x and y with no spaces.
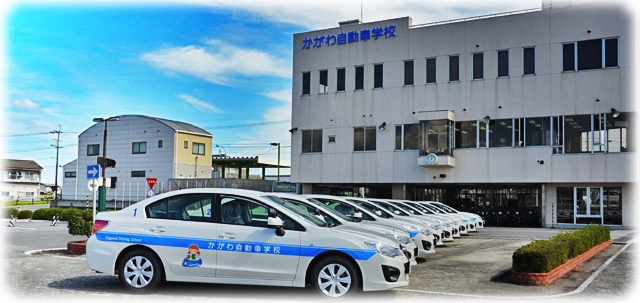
{"x":592,"y":133}
{"x":576,"y":56}
{"x":141,"y":148}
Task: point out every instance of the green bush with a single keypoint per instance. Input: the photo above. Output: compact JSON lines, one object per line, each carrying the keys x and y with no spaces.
{"x":10,"y":211}
{"x":25,"y":214}
{"x":67,"y":213}
{"x":542,"y":256}
{"x":81,"y":223}
{"x":46,"y":213}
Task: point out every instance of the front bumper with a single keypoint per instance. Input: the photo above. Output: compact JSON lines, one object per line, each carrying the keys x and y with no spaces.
{"x":373,"y":273}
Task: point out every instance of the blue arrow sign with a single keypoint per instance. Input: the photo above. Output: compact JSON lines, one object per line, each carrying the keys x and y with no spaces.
{"x":93,"y":171}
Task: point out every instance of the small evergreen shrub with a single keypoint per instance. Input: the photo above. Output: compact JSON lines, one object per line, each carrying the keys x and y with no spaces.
{"x":45,"y":213}
{"x":67,"y":213}
{"x":81,"y":223}
{"x":10,"y":211}
{"x":25,"y":214}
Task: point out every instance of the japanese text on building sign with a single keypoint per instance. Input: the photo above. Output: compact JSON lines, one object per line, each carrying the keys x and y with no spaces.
{"x":350,"y":37}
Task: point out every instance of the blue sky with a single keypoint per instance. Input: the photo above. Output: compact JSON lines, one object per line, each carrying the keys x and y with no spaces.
{"x":213,"y":64}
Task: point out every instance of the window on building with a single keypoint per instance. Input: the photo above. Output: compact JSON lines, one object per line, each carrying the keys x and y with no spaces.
{"x":323,"y":86}
{"x":482,"y":134}
{"x":159,"y":143}
{"x":466,"y":134}
{"x":408,"y":72}
{"x":93,"y":149}
{"x":557,"y":131}
{"x":377,"y":75}
{"x":577,"y":134}
{"x":137,"y":173}
{"x":306,"y":83}
{"x":501,"y":133}
{"x":332,"y":139}
{"x":364,"y":138}
{"x":431,"y":70}
{"x":568,"y":57}
{"x":359,"y":77}
{"x":341,"y":79}
{"x":503,"y":63}
{"x":478,"y":66}
{"x":407,"y":137}
{"x":538,"y":131}
{"x":139,"y":147}
{"x":454,"y":68}
{"x":312,"y":141}
{"x":435,"y":137}
{"x":69,"y":174}
{"x":198,"y":148}
{"x":612,"y":205}
{"x":518,"y":132}
{"x":617,"y":133}
{"x":186,"y":144}
{"x":564,"y":200}
{"x":590,"y":54}
{"x":611,"y":52}
{"x":529,"y":60}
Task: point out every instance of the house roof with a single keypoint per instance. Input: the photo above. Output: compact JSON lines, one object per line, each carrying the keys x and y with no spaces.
{"x":20,"y":164}
{"x":175,"y":125}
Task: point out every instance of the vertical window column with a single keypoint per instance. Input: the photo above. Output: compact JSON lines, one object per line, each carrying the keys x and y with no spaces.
{"x":408,"y":72}
{"x":454,"y":68}
{"x":431,"y":70}
{"x":529,"y":60}
{"x":478,"y":66}
{"x":359,"y":77}
{"x":377,"y":76}
{"x":306,"y":83}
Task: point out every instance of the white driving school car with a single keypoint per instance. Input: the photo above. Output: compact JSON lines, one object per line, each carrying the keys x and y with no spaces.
{"x":233,"y":236}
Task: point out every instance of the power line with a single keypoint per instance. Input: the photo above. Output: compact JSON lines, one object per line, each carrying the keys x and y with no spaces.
{"x":247,"y":124}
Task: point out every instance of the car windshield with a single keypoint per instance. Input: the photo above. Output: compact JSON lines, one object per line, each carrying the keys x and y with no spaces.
{"x":345,"y":208}
{"x":314,"y":210}
{"x":435,"y":209}
{"x":421,"y":208}
{"x":396,"y":210}
{"x":372,"y":208}
{"x":406,"y":207}
{"x":447,"y":208}
{"x":299,"y":211}
{"x":329,"y":209}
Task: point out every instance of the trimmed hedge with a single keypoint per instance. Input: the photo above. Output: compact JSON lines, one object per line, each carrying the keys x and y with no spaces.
{"x":81,"y":222}
{"x":25,"y":214}
{"x":46,"y":213}
{"x":10,"y":211}
{"x":542,"y":256}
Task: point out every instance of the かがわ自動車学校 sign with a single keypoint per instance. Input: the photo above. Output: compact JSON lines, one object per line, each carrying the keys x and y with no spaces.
{"x":350,"y":37}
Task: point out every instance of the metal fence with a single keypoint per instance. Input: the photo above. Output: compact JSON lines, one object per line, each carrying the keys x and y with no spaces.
{"x":259,"y":185}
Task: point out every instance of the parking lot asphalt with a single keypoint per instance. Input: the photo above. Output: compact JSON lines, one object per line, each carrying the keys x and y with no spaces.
{"x":459,"y":271}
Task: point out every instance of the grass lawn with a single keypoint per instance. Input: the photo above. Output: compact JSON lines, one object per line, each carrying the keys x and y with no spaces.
{"x":14,"y":203}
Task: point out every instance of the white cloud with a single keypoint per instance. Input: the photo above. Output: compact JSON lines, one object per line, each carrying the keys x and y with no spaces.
{"x":200,"y":104}
{"x":327,"y":13}
{"x":25,"y":104}
{"x":218,"y":62}
{"x":281,"y":95}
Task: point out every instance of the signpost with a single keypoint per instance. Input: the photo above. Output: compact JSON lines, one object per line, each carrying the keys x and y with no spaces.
{"x":152,"y":183}
{"x":93,"y":173}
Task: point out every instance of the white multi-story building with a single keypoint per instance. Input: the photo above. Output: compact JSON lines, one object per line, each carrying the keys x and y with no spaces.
{"x":533,"y":110}
{"x":20,"y":179}
{"x":143,"y":147}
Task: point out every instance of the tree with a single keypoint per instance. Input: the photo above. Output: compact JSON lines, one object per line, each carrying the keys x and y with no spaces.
{"x":81,"y":223}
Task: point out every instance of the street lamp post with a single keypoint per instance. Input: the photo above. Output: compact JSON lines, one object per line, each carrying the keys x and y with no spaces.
{"x":103,"y":189}
{"x":278,"y":144}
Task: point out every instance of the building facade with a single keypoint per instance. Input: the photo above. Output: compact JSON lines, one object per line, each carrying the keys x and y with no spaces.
{"x":20,"y":179}
{"x":143,"y":147}
{"x":532,"y":111}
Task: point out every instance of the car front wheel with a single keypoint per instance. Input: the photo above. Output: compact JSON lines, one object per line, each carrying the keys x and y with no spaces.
{"x":140,"y":270}
{"x":335,"y":277}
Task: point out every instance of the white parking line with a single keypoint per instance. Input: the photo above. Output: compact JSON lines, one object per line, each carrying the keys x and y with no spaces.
{"x":29,"y":228}
{"x":578,"y":290}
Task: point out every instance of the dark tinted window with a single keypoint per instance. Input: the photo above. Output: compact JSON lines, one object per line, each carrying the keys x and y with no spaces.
{"x":408,"y":72}
{"x":316,"y":146}
{"x":454,"y":68}
{"x":589,"y":54}
{"x":93,"y":149}
{"x":370,"y":138}
{"x":323,"y":85}
{"x":377,"y":76}
{"x":568,"y":57}
{"x":306,"y":141}
{"x":238,"y":211}
{"x":466,"y":134}
{"x":411,"y":136}
{"x":341,"y":80}
{"x":529,"y":60}
{"x":431,"y":70}
{"x":358,"y":139}
{"x":312,"y":141}
{"x":478,"y":66}
{"x":503,"y":63}
{"x":306,"y":83}
{"x":359,"y":77}
{"x":398,"y":137}
{"x":611,"y":52}
{"x":500,"y":133}
{"x":538,"y":131}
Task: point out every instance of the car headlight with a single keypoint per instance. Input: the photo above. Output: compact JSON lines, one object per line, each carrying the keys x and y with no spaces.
{"x":402,"y":239}
{"x":384,"y":250}
{"x":421,"y":230}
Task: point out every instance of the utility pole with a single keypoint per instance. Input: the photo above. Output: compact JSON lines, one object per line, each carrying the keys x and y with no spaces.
{"x":278,"y":144}
{"x":104,"y":163}
{"x":57,"y":146}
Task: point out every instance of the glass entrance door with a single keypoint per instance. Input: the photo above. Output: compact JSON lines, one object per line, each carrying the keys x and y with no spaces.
{"x":588,"y":205}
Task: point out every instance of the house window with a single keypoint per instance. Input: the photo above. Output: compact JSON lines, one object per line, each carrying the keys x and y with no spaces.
{"x":69,"y":174}
{"x":364,"y":138}
{"x":431,"y":70}
{"x":186,"y":144}
{"x":377,"y":76}
{"x":198,"y":148}
{"x":465,"y":134}
{"x":590,"y":54}
{"x":323,"y":86}
{"x":408,"y":72}
{"x":341,"y":80}
{"x":312,"y":141}
{"x":529,"y":60}
{"x":159,"y":143}
{"x":435,"y":137}
{"x":93,"y":149}
{"x":503,"y":63}
{"x":139,"y":147}
{"x":306,"y":83}
{"x":137,"y":174}
{"x":359,"y":77}
{"x":454,"y":68}
{"x":407,"y":137}
{"x":478,"y":66}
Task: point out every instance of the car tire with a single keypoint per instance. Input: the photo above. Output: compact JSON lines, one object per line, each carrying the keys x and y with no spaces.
{"x":335,"y":277}
{"x":140,"y":270}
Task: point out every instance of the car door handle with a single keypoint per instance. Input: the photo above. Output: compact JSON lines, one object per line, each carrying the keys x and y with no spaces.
{"x":158,"y":229}
{"x":227,"y":236}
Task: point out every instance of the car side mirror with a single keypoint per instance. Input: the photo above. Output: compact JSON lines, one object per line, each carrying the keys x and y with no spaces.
{"x":357,"y":216}
{"x":274,"y":222}
{"x":320,"y":217}
{"x":272,"y":213}
{"x":379,"y":213}
{"x":280,"y":231}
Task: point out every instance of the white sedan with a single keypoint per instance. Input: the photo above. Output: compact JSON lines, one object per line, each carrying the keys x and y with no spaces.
{"x":233,"y":236}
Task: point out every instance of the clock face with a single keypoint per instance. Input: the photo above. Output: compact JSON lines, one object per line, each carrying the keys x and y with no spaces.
{"x":432,"y":159}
